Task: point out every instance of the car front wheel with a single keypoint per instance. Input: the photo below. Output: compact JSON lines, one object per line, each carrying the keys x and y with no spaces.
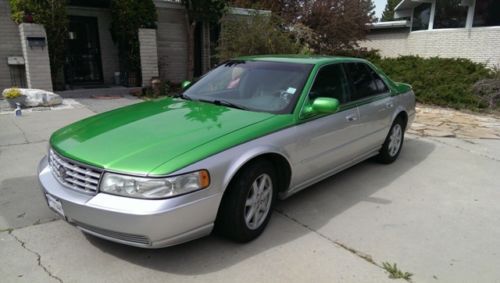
{"x":247,"y":205}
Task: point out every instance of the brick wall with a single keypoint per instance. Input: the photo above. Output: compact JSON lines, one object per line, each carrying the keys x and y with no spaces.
{"x":149,"y":55}
{"x":36,"y":58}
{"x":109,"y":52}
{"x":10,"y":43}
{"x":477,"y":44}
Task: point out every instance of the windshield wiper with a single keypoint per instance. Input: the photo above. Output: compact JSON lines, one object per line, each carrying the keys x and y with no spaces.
{"x":223,"y":103}
{"x":228,"y":103}
{"x":183,"y":96}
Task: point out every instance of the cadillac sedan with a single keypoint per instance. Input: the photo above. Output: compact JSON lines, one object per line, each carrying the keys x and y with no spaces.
{"x":216,"y":156}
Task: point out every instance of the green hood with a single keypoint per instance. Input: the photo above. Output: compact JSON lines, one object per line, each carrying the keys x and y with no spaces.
{"x":141,"y":137}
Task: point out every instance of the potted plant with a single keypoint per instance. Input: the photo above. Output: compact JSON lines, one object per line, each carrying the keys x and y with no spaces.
{"x":13,"y":96}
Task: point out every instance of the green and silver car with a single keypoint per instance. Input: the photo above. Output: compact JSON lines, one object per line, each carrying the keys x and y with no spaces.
{"x":217,"y":156}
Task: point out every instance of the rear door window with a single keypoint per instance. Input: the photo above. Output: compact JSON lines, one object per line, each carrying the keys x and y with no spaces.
{"x":364,"y":80}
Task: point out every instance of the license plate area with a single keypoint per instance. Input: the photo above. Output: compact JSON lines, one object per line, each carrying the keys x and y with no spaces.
{"x":55,"y":204}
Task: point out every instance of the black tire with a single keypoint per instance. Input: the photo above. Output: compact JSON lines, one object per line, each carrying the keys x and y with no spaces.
{"x":387,"y":155}
{"x":230,"y":220}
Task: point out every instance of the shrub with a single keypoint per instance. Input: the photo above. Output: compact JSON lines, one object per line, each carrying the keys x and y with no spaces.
{"x":488,"y":91}
{"x":440,"y":81}
{"x":12,"y":93}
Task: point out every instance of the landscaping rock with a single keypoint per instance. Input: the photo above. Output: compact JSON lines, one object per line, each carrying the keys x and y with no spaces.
{"x":38,"y":97}
{"x":442,"y":122}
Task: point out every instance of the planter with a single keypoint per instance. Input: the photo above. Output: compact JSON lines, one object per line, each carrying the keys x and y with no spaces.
{"x":20,"y":99}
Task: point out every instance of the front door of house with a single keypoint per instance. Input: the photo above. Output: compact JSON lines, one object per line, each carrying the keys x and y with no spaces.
{"x":83,"y":53}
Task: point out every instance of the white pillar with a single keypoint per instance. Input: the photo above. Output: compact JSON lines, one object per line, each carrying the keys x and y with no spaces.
{"x":149,"y":55}
{"x":36,"y":56}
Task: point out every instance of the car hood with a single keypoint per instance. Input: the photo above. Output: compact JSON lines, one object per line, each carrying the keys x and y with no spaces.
{"x":138,"y":138}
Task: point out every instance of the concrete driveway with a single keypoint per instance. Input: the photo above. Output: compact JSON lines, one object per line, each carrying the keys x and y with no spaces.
{"x":434,"y":213}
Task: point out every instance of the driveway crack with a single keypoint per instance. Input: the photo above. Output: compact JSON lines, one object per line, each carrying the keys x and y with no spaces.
{"x":39,"y":257}
{"x":366,"y":257}
{"x":19,"y":128}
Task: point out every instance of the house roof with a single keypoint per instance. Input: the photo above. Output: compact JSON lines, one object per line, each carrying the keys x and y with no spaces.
{"x":390,"y":24}
{"x":408,"y":4}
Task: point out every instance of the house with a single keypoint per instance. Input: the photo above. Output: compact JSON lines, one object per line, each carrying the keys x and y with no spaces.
{"x":445,"y":28}
{"x":92,"y":56}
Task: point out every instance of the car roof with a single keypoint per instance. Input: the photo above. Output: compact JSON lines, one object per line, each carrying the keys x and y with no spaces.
{"x":301,"y":59}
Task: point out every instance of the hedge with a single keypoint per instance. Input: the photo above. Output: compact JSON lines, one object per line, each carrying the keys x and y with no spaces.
{"x":440,"y":81}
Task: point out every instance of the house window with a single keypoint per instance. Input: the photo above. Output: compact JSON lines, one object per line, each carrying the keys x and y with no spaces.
{"x":421,"y":17}
{"x":450,"y":14}
{"x":487,"y":13}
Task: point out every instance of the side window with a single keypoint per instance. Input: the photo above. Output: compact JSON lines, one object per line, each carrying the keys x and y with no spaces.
{"x":364,"y":80}
{"x":330,"y":82}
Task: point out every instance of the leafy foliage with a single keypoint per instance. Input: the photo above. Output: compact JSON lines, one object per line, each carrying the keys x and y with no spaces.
{"x":200,"y":11}
{"x":12,"y":93}
{"x":388,"y":13}
{"x":205,"y":10}
{"x":52,"y":15}
{"x":335,"y":24}
{"x":440,"y":81}
{"x":395,"y":273}
{"x":263,"y":34}
{"x":127,"y":17}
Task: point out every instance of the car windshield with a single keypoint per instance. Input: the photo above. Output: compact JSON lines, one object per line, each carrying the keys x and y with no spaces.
{"x":252,"y":85}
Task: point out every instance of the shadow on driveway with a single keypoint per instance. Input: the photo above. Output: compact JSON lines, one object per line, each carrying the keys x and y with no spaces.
{"x":324,"y":200}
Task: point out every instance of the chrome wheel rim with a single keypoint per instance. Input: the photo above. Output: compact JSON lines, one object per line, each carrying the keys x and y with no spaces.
{"x":258,"y":202}
{"x":395,"y":140}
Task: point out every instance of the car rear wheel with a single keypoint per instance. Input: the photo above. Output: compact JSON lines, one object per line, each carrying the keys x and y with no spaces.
{"x":393,"y":143}
{"x":247,"y":204}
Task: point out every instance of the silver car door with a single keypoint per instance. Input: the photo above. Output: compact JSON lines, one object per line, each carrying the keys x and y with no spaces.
{"x":375,"y":105}
{"x":326,"y":143}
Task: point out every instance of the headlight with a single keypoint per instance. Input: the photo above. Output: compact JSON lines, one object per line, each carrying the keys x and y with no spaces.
{"x":154,"y":188}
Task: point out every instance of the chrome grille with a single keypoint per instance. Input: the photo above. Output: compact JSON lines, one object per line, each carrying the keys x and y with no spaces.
{"x":74,"y":175}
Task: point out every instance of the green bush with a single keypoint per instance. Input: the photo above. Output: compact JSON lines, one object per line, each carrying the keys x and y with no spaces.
{"x":440,"y":81}
{"x":12,"y":93}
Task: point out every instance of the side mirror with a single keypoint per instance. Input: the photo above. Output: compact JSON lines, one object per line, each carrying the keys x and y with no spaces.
{"x":321,"y":105}
{"x":185,"y":84}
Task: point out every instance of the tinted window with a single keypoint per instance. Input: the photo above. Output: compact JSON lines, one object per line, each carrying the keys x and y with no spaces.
{"x":450,"y":14}
{"x":487,"y":13}
{"x":421,"y":17}
{"x":364,"y":80}
{"x":330,"y":82}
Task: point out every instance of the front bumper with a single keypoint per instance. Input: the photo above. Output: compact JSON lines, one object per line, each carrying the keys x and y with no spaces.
{"x":135,"y":222}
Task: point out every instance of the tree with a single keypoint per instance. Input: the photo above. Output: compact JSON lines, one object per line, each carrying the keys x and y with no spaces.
{"x":52,"y":15}
{"x":339,"y":24}
{"x":326,"y":26}
{"x":200,"y":11}
{"x":388,"y":14}
{"x":255,"y":34}
{"x":127,"y":17}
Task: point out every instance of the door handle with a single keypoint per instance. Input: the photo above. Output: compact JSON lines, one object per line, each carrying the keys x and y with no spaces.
{"x":351,"y":118}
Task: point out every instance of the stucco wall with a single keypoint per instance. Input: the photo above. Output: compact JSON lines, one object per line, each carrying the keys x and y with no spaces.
{"x":172,"y":43}
{"x":10,"y":43}
{"x":149,"y":55}
{"x":477,"y":44}
{"x":109,"y":52}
